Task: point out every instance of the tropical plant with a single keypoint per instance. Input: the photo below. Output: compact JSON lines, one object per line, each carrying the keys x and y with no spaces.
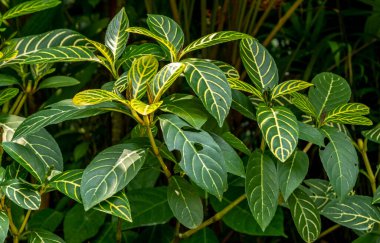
{"x":185,"y":137}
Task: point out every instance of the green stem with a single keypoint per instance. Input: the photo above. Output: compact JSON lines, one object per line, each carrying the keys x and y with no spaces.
{"x":363,"y":151}
{"x":174,"y":8}
{"x":214,"y":218}
{"x":328,"y":231}
{"x":262,"y":145}
{"x":24,"y":222}
{"x":307,"y":147}
{"x":20,"y":104}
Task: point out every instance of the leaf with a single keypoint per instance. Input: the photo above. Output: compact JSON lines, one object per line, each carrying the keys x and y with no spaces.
{"x":305,"y":215}
{"x":262,"y":188}
{"x":187,"y":107}
{"x":376,"y":196}
{"x":202,"y":158}
{"x":205,"y":235}
{"x":105,"y":51}
{"x":58,"y":82}
{"x":149,"y":207}
{"x":260,"y":66}
{"x":289,"y":87}
{"x":44,"y":236}
{"x":368,"y":237}
{"x":7,"y":80}
{"x":292,"y":172}
{"x":229,"y":71}
{"x":140,"y":74}
{"x":121,"y":84}
{"x":280,"y":130}
{"x":68,"y":183}
{"x":329,"y":91}
{"x":4,"y":226}
{"x":184,"y":202}
{"x":47,"y":219}
{"x":109,"y":172}
{"x":96,"y":96}
{"x":349,"y":114}
{"x":163,"y":42}
{"x":340,"y":161}
{"x":211,"y":86}
{"x":355,"y":212}
{"x":373,"y":134}
{"x":144,"y":109}
{"x":116,"y":36}
{"x":236,"y":143}
{"x":213,"y":39}
{"x":165,"y":78}
{"x":135,"y":51}
{"x":321,"y":192}
{"x":29,"y":7}
{"x":302,"y":102}
{"x":310,"y":134}
{"x":26,"y":46}
{"x":117,"y":205}
{"x":7,"y":94}
{"x":22,"y":194}
{"x":234,"y":164}
{"x":167,"y":29}
{"x":243,"y":86}
{"x":243,"y":105}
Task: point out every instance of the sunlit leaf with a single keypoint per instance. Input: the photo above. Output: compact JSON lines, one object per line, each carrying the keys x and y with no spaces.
{"x":29,"y":7}
{"x":144,"y":109}
{"x":349,"y":114}
{"x":165,"y":78}
{"x":289,"y":87}
{"x":96,"y":96}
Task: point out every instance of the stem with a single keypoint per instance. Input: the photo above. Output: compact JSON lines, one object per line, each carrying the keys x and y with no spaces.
{"x":14,"y":229}
{"x":363,"y":150}
{"x":307,"y":147}
{"x":214,"y":218}
{"x":20,"y":104}
{"x":262,"y":145}
{"x":328,"y":231}
{"x":174,"y":8}
{"x":155,"y":149}
{"x":119,"y":230}
{"x":24,"y":222}
{"x":263,"y":17}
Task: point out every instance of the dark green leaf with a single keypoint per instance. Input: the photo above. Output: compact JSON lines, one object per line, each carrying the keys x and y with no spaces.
{"x":58,"y":82}
{"x":242,"y":104}
{"x":117,"y":205}
{"x":303,"y":103}
{"x":205,"y":235}
{"x":44,"y":236}
{"x":7,"y":80}
{"x":4,"y":225}
{"x":116,"y":36}
{"x":22,"y":194}
{"x":48,"y":219}
{"x":376,"y":196}
{"x":310,"y":134}
{"x":235,"y":142}
{"x":229,"y":71}
{"x":68,"y":183}
{"x":321,"y":192}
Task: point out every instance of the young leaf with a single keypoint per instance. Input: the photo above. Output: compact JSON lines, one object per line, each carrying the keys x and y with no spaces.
{"x":96,"y":96}
{"x":289,"y":87}
{"x":259,"y":64}
{"x":144,"y":109}
{"x":165,"y":78}
{"x":4,"y":226}
{"x":213,"y":39}
{"x":121,"y":84}
{"x":68,"y":183}
{"x":7,"y":80}
{"x":22,"y":194}
{"x":305,"y":215}
{"x":116,"y":36}
{"x":243,"y":105}
{"x":58,"y":82}
{"x":355,"y":212}
{"x":184,"y":202}
{"x":236,"y":143}
{"x":29,"y":7}
{"x":373,"y":134}
{"x":262,"y":188}
{"x":329,"y":91}
{"x":141,"y":73}
{"x":302,"y":102}
{"x":292,"y":172}
{"x":349,"y":114}
{"x":280,"y":130}
{"x":202,"y":158}
{"x":7,"y":94}
{"x":135,"y":51}
{"x":243,"y":86}
{"x":229,"y":71}
{"x":211,"y":86}
{"x":321,"y":192}
{"x":109,"y":172}
{"x":310,"y":134}
{"x":340,"y":161}
{"x":117,"y":205}
{"x":44,"y":236}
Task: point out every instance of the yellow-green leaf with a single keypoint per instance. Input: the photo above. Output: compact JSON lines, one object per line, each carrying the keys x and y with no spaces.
{"x":373,"y":134}
{"x":144,"y":109}
{"x":105,"y":51}
{"x":96,"y":96}
{"x":243,"y":86}
{"x":7,"y":94}
{"x":289,"y":87}
{"x":303,"y":103}
{"x":29,"y":7}
{"x":349,"y":114}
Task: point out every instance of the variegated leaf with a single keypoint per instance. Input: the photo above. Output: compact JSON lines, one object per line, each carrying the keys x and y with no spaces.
{"x":289,"y":87}
{"x":165,"y":78}
{"x":321,"y":192}
{"x":8,"y":80}
{"x":211,"y":86}
{"x":373,"y":134}
{"x":121,"y":84}
{"x":117,"y":205}
{"x":116,"y":36}
{"x":135,"y":51}
{"x":236,"y":143}
{"x":202,"y":158}
{"x":104,"y":50}
{"x":22,"y":194}
{"x":96,"y":96}
{"x":243,"y":86}
{"x":4,"y":226}
{"x":280,"y":130}
{"x":349,"y":114}
{"x":68,"y":183}
{"x":302,"y":102}
{"x":7,"y":94}
{"x":144,"y":109}
{"x":44,"y":236}
{"x":29,"y":7}
{"x":213,"y":39}
{"x":229,"y":71}
{"x":259,"y":64}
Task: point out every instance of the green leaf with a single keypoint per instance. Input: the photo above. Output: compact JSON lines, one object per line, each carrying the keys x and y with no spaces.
{"x":321,"y":192}
{"x":260,"y":66}
{"x":96,"y":96}
{"x":44,"y":236}
{"x":349,"y":114}
{"x":289,"y":87}
{"x":205,"y":235}
{"x":234,"y":164}
{"x":136,"y":51}
{"x":262,"y":188}
{"x":68,"y":183}
{"x":149,"y":207}
{"x":280,"y":130}
{"x":184,"y":202}
{"x":243,"y":86}
{"x":368,"y":237}
{"x":187,"y":107}
{"x":117,"y":205}
{"x":302,"y":102}
{"x":7,"y":80}
{"x":236,"y":143}
{"x":140,"y":74}
{"x":376,"y":196}
{"x":29,"y":7}
{"x":4,"y":226}
{"x":58,"y":82}
{"x":243,"y":105}
{"x":22,"y":194}
{"x":310,"y":134}
{"x":211,"y":86}
{"x":292,"y":172}
{"x":229,"y":71}
{"x":26,"y":46}
{"x":7,"y":94}
{"x":373,"y":134}
{"x":167,"y":29}
{"x":202,"y":158}
{"x":109,"y":172}
{"x":355,"y":212}
{"x":144,"y":109}
{"x":340,"y":161}
{"x":165,"y":78}
{"x":47,"y":219}
{"x":105,"y":51}
{"x":121,"y":84}
{"x":213,"y":39}
{"x":329,"y":91}
{"x":116,"y":36}
{"x":305,"y":215}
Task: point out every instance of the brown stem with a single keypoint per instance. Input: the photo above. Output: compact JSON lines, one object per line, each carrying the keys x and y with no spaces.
{"x":307,"y":147}
{"x":119,"y":230}
{"x":174,"y":8}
